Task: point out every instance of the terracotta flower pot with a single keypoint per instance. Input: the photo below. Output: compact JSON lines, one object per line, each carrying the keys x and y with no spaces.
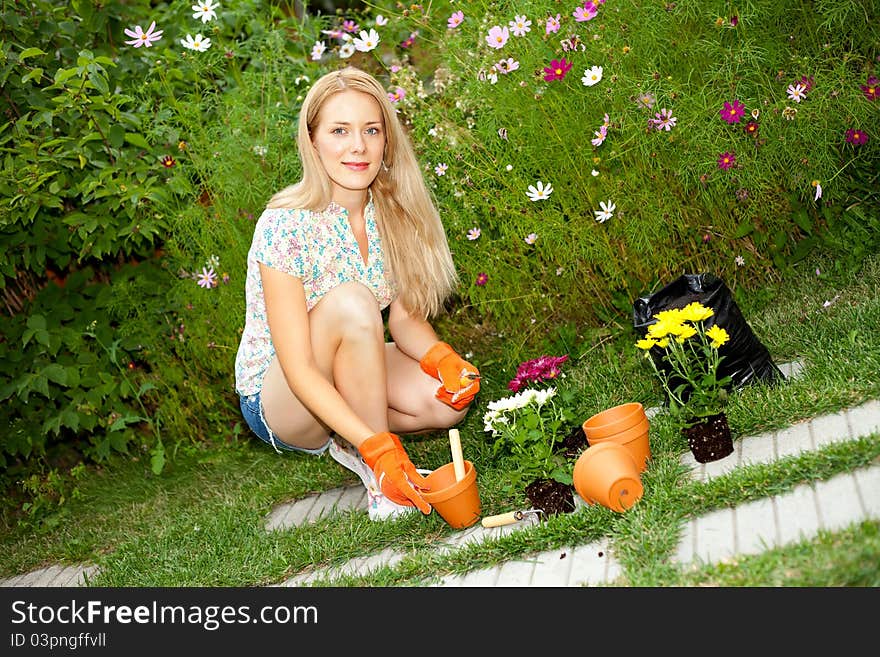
{"x":457,"y":501}
{"x":606,"y":473}
{"x":710,"y":439}
{"x":626,"y":425}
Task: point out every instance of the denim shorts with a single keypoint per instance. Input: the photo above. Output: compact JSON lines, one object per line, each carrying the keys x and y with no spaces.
{"x":252,"y":410}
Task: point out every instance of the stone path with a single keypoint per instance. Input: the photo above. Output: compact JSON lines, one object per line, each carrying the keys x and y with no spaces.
{"x":746,"y":529}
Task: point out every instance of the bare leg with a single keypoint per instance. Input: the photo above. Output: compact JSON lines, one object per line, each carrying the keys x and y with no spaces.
{"x":347,"y":337}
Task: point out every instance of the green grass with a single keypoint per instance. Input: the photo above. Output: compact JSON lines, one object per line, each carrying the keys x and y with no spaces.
{"x":201,"y":521}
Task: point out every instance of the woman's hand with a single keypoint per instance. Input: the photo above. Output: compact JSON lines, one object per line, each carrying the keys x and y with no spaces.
{"x":460,"y":379}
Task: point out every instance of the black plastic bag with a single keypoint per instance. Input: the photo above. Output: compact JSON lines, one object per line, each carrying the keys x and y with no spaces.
{"x":744,"y":358}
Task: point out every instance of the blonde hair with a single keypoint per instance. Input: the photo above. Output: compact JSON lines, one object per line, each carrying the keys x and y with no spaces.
{"x":414,"y":241}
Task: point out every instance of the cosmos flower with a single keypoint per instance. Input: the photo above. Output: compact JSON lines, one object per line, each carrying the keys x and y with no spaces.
{"x":140,"y":38}
{"x":726,"y":160}
{"x":205,"y":10}
{"x":732,"y":113}
{"x":197,"y":43}
{"x":538,"y":192}
{"x":606,"y":212}
{"x":497,"y":36}
{"x":366,"y":41}
{"x":592,"y":76}
{"x":455,"y":20}
{"x":474,"y":234}
{"x":557,"y":70}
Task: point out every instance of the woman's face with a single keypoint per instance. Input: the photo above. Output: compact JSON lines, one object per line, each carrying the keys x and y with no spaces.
{"x":350,"y":140}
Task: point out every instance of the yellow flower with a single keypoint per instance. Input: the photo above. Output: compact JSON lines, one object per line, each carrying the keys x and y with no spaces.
{"x":663,"y":343}
{"x":668,"y":321}
{"x":718,"y":336}
{"x":645,"y":343}
{"x":696,"y":312}
{"x":684,"y":332}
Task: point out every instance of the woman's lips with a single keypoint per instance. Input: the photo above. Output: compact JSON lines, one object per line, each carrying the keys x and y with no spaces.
{"x":357,"y":166}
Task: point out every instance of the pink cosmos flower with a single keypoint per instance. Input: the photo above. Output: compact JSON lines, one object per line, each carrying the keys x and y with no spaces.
{"x":871,"y":89}
{"x":397,"y":95}
{"x":726,"y":160}
{"x":482,"y":278}
{"x":531,"y":238}
{"x":796,"y":92}
{"x":600,"y":136}
{"x":557,"y":70}
{"x":665,"y":120}
{"x":586,"y":13}
{"x":350,"y":26}
{"x":552,"y":24}
{"x":474,"y":234}
{"x":732,"y":113}
{"x":455,"y":20}
{"x":856,"y":137}
{"x":140,"y":38}
{"x":497,"y":36}
{"x":208,"y":278}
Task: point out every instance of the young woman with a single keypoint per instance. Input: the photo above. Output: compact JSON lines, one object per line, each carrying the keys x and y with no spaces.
{"x":358,"y":233}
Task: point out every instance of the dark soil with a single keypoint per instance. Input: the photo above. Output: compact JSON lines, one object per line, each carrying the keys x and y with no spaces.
{"x":573,"y":443}
{"x":710,"y":440}
{"x":551,"y":496}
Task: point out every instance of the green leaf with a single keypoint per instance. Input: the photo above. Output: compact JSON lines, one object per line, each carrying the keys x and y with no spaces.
{"x":56,"y":373}
{"x":100,"y":83}
{"x":36,"y":322}
{"x":743,"y":229}
{"x":116,"y":135}
{"x":157,"y":458}
{"x":30,"y":52}
{"x":136,"y":139}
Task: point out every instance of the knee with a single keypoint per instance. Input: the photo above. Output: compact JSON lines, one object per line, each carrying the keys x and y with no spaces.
{"x":446,"y":417}
{"x":354,"y":309}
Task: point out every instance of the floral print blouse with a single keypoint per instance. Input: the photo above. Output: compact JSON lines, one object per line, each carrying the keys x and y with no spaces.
{"x":320,"y":249}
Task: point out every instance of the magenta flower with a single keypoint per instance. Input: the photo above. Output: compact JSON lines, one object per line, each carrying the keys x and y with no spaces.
{"x":482,"y":278}
{"x":806,"y":82}
{"x":140,"y":38}
{"x":536,"y":370}
{"x":409,"y":41}
{"x":734,"y":20}
{"x":726,"y":160}
{"x":871,"y":89}
{"x":732,"y":113}
{"x":455,"y":20}
{"x":856,"y":137}
{"x":557,"y":70}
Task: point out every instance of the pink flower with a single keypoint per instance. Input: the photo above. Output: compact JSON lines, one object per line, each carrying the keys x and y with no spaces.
{"x":856,"y":137}
{"x":497,"y":36}
{"x":552,"y":24}
{"x":586,"y":13}
{"x":397,"y":95}
{"x":732,"y":113}
{"x":140,"y":38}
{"x":600,"y":136}
{"x":350,"y":26}
{"x":665,"y":120}
{"x":455,"y":20}
{"x":409,"y":41}
{"x":557,"y":70}
{"x":726,"y":160}
{"x":482,"y":278}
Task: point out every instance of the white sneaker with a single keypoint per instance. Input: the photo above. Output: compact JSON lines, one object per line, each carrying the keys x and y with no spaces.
{"x":379,"y":507}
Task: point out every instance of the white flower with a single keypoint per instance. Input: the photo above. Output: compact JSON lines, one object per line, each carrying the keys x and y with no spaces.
{"x":197,"y":43}
{"x":818,"y":190}
{"x":205,"y":10}
{"x":441,"y":168}
{"x":797,"y":92}
{"x":739,"y":260}
{"x":260,"y":150}
{"x":531,"y":238}
{"x":594,"y":173}
{"x":538,"y":192}
{"x":366,"y":41}
{"x":605,"y":213}
{"x":520,"y":25}
{"x":381,"y":20}
{"x":318,"y":50}
{"x":346,"y":50}
{"x":592,"y":76}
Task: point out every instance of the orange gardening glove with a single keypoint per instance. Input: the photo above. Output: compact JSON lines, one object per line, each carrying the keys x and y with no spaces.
{"x":460,"y":380}
{"x":395,"y":474}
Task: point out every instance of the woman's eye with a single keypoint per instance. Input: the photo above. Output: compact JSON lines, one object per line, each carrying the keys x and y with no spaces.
{"x":338,"y":131}
{"x":372,"y":131}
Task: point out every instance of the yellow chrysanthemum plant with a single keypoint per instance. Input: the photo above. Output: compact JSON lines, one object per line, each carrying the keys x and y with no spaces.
{"x":679,"y":337}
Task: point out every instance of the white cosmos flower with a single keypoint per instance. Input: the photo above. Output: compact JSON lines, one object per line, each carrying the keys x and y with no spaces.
{"x":197,"y":42}
{"x":205,"y":10}
{"x":605,"y":213}
{"x":318,"y":50}
{"x":366,"y":41}
{"x":346,"y":50}
{"x":538,"y":192}
{"x":592,"y":76}
{"x":381,"y":20}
